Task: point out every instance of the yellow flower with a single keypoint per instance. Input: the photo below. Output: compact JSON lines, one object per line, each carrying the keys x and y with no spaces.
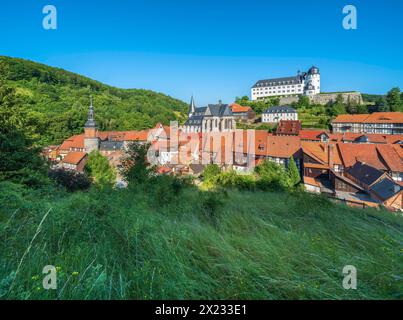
{"x":75,"y":273}
{"x":35,"y":277}
{"x":58,"y":269}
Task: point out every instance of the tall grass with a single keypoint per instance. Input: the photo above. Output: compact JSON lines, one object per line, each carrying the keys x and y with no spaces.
{"x":118,"y":244}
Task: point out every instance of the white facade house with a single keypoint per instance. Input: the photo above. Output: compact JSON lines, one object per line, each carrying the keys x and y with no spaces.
{"x":306,"y":83}
{"x":276,"y":114}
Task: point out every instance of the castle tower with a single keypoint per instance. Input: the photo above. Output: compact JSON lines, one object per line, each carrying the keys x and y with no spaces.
{"x":312,"y":82}
{"x":91,"y":140}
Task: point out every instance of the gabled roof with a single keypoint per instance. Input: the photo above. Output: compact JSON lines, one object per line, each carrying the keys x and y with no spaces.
{"x":316,"y":150}
{"x":289,"y":127}
{"x":380,"y":156}
{"x":280,"y":109}
{"x":350,"y":118}
{"x":111,"y":145}
{"x":283,"y":146}
{"x":218,"y":110}
{"x":365,"y":173}
{"x":391,"y":157}
{"x":376,"y":117}
{"x":311,"y":134}
{"x":238,"y":108}
{"x":386,"y":188}
{"x":385,"y":117}
{"x":76,"y":141}
{"x":74,"y":157}
{"x":278,"y":81}
{"x":367,"y":153}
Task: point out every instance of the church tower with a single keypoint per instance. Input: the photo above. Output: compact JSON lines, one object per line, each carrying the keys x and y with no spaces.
{"x":91,"y":140}
{"x":192,"y":107}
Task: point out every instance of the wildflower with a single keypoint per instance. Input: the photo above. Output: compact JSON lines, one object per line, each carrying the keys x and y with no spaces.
{"x":35,"y":277}
{"x":38,"y":288}
{"x":75,"y":273}
{"x":58,"y":269}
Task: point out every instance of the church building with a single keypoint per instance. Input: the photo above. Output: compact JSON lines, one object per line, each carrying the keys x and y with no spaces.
{"x":212,"y":118}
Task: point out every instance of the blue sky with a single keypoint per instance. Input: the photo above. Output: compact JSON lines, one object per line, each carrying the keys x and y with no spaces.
{"x":214,"y":49}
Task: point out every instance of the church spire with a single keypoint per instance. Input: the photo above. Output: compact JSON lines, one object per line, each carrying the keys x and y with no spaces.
{"x":192,"y":106}
{"x":91,"y":120}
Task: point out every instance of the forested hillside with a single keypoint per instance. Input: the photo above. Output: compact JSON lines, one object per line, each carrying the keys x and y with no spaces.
{"x":56,"y":102}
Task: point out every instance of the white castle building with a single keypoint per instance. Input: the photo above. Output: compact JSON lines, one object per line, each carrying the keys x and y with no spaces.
{"x":305,"y":83}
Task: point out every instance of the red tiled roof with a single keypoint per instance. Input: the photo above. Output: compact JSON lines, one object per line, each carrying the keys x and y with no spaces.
{"x":316,"y":150}
{"x":350,"y":118}
{"x":163,"y":170}
{"x":74,"y":157}
{"x":282,"y":146}
{"x":76,"y":141}
{"x":311,"y":134}
{"x":289,"y":127}
{"x":311,"y":181}
{"x":366,"y":153}
{"x":238,"y":108}
{"x":319,"y":151}
{"x":391,"y":157}
{"x":399,"y":150}
{"x":385,"y":117}
{"x":376,"y":117}
{"x":380,"y":156}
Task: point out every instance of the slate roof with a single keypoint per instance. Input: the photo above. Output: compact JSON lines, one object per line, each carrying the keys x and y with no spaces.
{"x":365,"y":173}
{"x":211,"y":110}
{"x":278,"y":82}
{"x":282,"y":109}
{"x":386,"y":188}
{"x":111,"y":145}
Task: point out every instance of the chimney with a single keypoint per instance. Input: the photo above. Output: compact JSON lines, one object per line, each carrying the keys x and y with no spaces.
{"x":330,"y":156}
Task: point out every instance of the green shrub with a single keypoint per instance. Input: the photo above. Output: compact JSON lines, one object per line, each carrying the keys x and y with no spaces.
{"x":70,"y":179}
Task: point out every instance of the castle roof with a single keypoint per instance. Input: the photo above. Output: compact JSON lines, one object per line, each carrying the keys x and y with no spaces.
{"x":279,"y":81}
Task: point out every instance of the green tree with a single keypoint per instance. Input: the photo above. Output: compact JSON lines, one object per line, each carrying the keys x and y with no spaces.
{"x":393,"y":100}
{"x":19,"y":158}
{"x":134,"y":166}
{"x":98,"y":168}
{"x":362,"y":108}
{"x":381,"y":105}
{"x":303,"y":102}
{"x":272,"y":176}
{"x":210,"y":172}
{"x":338,"y":106}
{"x":293,"y":173}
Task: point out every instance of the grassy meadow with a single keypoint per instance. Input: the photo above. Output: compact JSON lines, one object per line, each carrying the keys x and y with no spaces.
{"x":144,"y":243}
